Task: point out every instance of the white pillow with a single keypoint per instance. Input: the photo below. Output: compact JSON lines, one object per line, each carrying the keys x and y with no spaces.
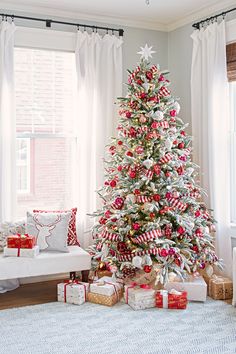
{"x":50,"y":229}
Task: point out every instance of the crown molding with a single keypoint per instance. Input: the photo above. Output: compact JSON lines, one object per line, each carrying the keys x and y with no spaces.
{"x":103,"y":19}
{"x":201,"y":14}
{"x":117,"y":21}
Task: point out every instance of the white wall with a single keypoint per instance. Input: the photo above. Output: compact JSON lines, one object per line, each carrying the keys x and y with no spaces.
{"x":179,"y":63}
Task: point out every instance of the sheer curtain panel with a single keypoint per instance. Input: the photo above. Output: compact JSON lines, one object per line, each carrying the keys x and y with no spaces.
{"x":210,"y":124}
{"x":99,"y":74}
{"x":7,"y":124}
{"x":7,"y":134}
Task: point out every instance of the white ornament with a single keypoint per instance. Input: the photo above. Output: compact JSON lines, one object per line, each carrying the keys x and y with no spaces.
{"x":146,"y":86}
{"x":168,"y":144}
{"x":148,"y":163}
{"x":158,"y":115}
{"x":176,"y":107}
{"x":147,"y":260}
{"x":137,"y":262}
{"x":146,"y":52}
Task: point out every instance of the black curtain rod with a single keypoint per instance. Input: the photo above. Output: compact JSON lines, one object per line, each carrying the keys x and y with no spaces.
{"x":50,"y":21}
{"x":198,"y":24}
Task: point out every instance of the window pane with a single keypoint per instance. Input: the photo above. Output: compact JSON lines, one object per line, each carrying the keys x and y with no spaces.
{"x":45,"y":84}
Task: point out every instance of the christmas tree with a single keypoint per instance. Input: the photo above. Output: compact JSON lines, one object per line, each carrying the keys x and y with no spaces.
{"x":153,"y":216}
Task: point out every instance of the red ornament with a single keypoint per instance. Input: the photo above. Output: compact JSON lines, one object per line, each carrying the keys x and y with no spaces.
{"x":119,"y":168}
{"x":171,"y":251}
{"x":102,"y":221}
{"x":180,"y":170}
{"x":139,"y":150}
{"x":157,"y":169}
{"x":113,"y":183}
{"x":195,"y":248}
{"x":202,"y":265}
{"x":149,"y":75}
{"x":161,"y":78}
{"x":129,"y":153}
{"x":183,"y":158}
{"x":197,"y":213}
{"x":157,"y":197}
{"x":173,"y":113}
{"x":181,"y":145}
{"x":175,"y":142}
{"x":119,"y":142}
{"x":152,"y":215}
{"x":183,"y":133}
{"x":168,"y":174}
{"x":132,"y":132}
{"x":139,"y":82}
{"x":181,"y":230}
{"x":168,"y":195}
{"x":119,"y":202}
{"x":198,"y":232}
{"x":112,"y":252}
{"x":147,"y":269}
{"x":163,"y":252}
{"x":155,"y":125}
{"x":143,"y":95}
{"x":137,"y":191}
{"x":128,"y":114}
{"x":132,"y":174}
{"x":136,"y":226}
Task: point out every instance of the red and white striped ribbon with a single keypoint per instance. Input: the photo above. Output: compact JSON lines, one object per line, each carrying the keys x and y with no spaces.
{"x":164,"y":124}
{"x":110,"y":236}
{"x":188,"y":151}
{"x":163,"y":92}
{"x":175,"y":203}
{"x":129,"y":257}
{"x":149,"y":174}
{"x":148,"y":236}
{"x":166,"y":158}
{"x":143,"y":129}
{"x":143,"y":199}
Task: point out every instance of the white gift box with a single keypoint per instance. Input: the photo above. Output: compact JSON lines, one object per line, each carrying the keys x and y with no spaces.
{"x":105,"y":286}
{"x":72,"y":293}
{"x":22,"y":252}
{"x":140,"y":298}
{"x":196,"y":288}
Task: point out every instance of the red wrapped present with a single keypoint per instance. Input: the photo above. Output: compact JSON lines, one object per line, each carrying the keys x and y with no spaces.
{"x":21,"y":241}
{"x":171,"y":300}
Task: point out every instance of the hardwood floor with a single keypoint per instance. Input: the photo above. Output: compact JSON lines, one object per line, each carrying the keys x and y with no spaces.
{"x":30,"y":294}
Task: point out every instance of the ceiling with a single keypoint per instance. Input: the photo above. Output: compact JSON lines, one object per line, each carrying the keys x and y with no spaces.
{"x":160,"y":15}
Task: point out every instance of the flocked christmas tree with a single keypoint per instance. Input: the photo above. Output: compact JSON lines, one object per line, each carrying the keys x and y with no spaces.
{"x":153,"y":217}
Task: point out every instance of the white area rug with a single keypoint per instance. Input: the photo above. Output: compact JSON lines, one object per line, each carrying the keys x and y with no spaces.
{"x":60,"y":328}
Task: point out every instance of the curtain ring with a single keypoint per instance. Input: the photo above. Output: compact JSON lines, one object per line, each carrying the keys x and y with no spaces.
{"x":12,"y":19}
{"x":77,"y":28}
{"x":223,"y":15}
{"x":107,"y":30}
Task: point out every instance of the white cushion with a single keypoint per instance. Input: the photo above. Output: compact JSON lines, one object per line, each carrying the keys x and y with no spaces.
{"x":50,"y":230}
{"x":46,"y":263}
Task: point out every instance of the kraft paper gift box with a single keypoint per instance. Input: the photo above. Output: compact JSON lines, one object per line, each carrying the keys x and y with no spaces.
{"x":72,"y":292}
{"x":104,"y":299}
{"x":21,"y":241}
{"x":106,"y":286}
{"x":21,"y":252}
{"x":220,"y":288}
{"x":171,"y":300}
{"x":140,"y":297}
{"x":195,"y":287}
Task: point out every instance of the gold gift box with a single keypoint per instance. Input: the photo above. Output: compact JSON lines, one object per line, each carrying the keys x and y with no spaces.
{"x":220,"y":288}
{"x":104,"y":299}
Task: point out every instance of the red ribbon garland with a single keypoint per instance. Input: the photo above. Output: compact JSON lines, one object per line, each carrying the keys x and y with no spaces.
{"x":133,"y":285}
{"x":71,"y":282}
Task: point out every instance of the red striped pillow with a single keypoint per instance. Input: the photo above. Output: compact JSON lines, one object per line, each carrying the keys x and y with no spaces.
{"x":72,"y":236}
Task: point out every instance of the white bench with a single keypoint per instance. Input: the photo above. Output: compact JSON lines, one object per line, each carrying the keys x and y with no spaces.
{"x":47,"y":263}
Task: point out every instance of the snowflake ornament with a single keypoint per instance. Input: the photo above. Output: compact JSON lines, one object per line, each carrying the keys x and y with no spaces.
{"x":146,"y":52}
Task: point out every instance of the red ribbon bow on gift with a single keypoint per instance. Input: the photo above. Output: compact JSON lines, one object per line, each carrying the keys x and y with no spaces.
{"x":19,"y":244}
{"x":133,"y":285}
{"x":72,"y":282}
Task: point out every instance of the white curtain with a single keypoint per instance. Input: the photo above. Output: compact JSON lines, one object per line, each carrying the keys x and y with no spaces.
{"x":7,"y":124}
{"x":7,"y":134}
{"x":210,"y":125}
{"x":99,"y":74}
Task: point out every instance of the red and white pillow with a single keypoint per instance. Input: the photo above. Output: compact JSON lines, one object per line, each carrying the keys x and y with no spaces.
{"x":72,"y":235}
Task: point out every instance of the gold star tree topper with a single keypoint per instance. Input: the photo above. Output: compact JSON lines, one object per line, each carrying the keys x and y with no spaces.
{"x":146,"y":52}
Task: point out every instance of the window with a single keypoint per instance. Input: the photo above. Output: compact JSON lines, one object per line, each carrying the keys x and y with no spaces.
{"x":45,"y":84}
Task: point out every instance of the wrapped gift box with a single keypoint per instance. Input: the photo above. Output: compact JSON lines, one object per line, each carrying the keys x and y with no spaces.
{"x":140,"y":297}
{"x":72,"y":292}
{"x":21,"y":252}
{"x":195,"y":287}
{"x":220,"y":288}
{"x":104,"y":299}
{"x":106,"y":286}
{"x":171,"y":300}
{"x":21,"y":241}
